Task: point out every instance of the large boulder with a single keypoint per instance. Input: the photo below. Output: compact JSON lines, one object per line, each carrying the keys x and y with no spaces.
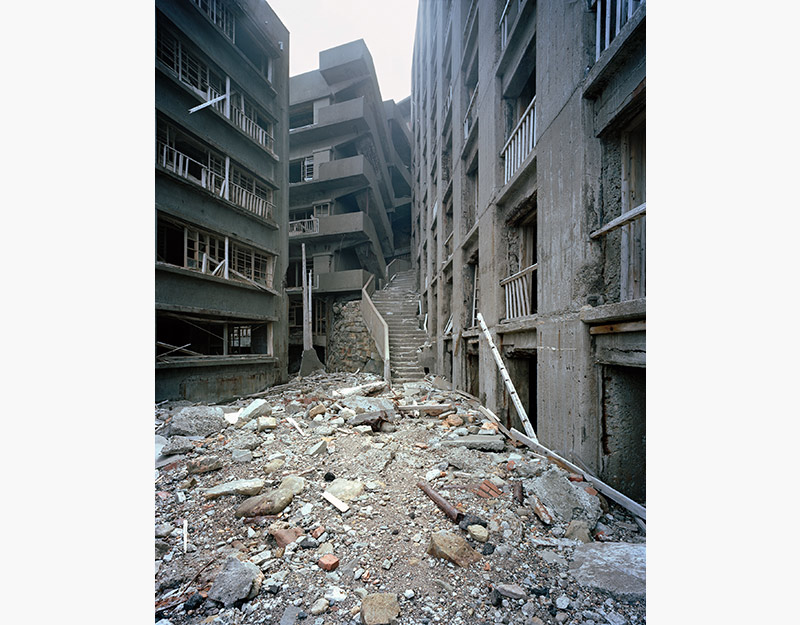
{"x":198,"y":421}
{"x":235,"y":582}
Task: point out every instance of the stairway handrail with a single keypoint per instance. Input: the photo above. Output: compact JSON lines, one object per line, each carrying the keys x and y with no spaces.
{"x":377,"y":326}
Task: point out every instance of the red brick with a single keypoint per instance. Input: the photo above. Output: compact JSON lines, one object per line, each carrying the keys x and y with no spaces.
{"x":590,"y":490}
{"x":574,"y":477}
{"x":318,"y":532}
{"x":328,"y":562}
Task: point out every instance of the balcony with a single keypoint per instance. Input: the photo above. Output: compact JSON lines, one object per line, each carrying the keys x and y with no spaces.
{"x":520,"y":293}
{"x":521,"y":142}
{"x":252,"y":129}
{"x":186,"y":167}
{"x":194,"y":171}
{"x":612,"y":15}
{"x":304,"y":226}
{"x":510,"y":12}
{"x":339,"y":281}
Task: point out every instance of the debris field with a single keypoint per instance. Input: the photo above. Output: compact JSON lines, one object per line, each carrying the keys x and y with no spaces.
{"x":335,"y":499}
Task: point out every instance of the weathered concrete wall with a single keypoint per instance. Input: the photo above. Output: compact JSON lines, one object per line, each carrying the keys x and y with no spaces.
{"x":624,"y":430}
{"x":215,"y":383}
{"x":350,"y":345}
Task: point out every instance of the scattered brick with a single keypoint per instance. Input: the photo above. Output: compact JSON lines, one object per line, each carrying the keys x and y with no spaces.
{"x":328,"y":562}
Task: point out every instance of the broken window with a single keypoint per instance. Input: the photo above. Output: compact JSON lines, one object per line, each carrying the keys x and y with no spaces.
{"x":187,"y":65}
{"x":633,"y":245}
{"x":220,"y":14}
{"x":322,"y":210}
{"x":239,"y":339}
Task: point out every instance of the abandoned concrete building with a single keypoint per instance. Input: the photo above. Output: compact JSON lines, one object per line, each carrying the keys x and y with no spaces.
{"x":221,"y":178}
{"x":528,"y":178}
{"x":350,"y":190}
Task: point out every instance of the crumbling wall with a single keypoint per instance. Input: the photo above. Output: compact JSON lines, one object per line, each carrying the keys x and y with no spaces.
{"x":624,"y":430}
{"x":612,"y":207}
{"x":350,"y":345}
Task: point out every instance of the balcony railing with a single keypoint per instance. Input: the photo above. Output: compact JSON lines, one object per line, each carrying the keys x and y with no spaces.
{"x":190,"y":169}
{"x":304,"y":226}
{"x":250,"y":201}
{"x":251,"y":128}
{"x":510,"y":12}
{"x":220,"y":14}
{"x":469,"y":118}
{"x":612,"y":15}
{"x":520,"y":293}
{"x":520,"y":143}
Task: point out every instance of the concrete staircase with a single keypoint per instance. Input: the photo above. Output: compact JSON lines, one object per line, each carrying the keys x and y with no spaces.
{"x":398,"y":304}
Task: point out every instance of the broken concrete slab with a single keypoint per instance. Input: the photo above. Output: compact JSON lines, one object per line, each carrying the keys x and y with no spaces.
{"x":293,"y":483}
{"x":567,"y":500}
{"x":198,"y":421}
{"x":203,"y":464}
{"x":617,"y":569}
{"x":236,"y":581}
{"x":379,"y":609}
{"x":178,"y":445}
{"x":477,"y":441}
{"x":453,"y":548}
{"x":266,"y":423}
{"x":256,"y":408}
{"x":317,"y":449}
{"x":237,"y":487}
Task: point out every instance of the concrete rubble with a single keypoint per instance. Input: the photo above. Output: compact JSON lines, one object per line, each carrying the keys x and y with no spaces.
{"x":268,"y":541}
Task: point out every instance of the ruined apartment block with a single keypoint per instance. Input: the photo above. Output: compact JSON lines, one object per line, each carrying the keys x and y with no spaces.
{"x":528,"y":206}
{"x":221,"y":168}
{"x":350,"y":187}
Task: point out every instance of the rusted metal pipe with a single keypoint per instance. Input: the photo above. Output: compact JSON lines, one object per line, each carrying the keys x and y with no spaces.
{"x":454,"y":515}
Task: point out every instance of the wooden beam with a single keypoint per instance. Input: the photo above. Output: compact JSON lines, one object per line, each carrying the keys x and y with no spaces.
{"x":627,"y":503}
{"x":623,"y":219}
{"x":614,"y":328}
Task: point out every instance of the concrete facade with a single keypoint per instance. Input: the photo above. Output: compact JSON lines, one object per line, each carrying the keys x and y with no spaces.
{"x":221,"y":198}
{"x":350,"y":187}
{"x":528,"y":204}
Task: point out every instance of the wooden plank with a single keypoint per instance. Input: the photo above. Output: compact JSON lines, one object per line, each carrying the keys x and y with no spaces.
{"x":623,"y":219}
{"x":494,"y":419}
{"x":608,"y":491}
{"x":613,"y":328}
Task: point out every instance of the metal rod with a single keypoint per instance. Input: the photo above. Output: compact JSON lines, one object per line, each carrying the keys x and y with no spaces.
{"x":454,"y":515}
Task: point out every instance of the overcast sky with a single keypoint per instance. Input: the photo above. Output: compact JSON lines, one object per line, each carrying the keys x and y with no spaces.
{"x":387,"y":27}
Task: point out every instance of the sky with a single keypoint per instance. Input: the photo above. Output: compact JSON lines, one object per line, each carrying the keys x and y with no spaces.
{"x":387,"y":27}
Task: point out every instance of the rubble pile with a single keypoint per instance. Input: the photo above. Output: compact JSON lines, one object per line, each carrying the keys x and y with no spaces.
{"x":334,"y":499}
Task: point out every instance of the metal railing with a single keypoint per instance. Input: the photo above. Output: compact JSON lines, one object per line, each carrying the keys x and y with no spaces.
{"x":220,"y":14}
{"x":251,"y":128}
{"x":469,"y":117}
{"x":190,"y":169}
{"x":520,"y":293}
{"x":304,"y":226}
{"x":612,"y":15}
{"x":377,"y":326}
{"x":250,"y":201}
{"x":510,"y":12}
{"x":520,"y":143}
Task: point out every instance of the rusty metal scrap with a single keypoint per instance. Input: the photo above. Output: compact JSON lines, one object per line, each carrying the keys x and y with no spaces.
{"x":454,"y":515}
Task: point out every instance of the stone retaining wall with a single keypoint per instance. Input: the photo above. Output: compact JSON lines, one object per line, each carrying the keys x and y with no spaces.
{"x":350,"y":345}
